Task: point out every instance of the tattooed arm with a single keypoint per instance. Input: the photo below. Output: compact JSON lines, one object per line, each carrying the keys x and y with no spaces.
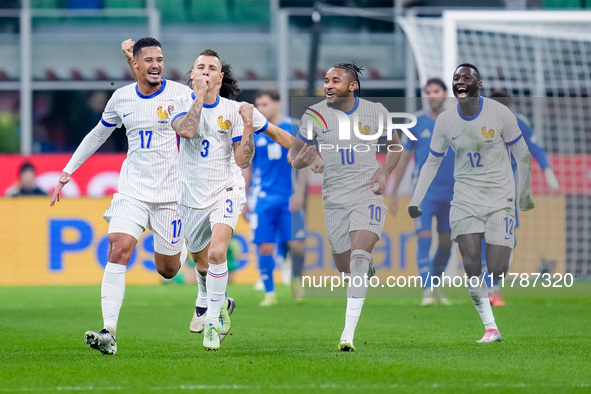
{"x":244,"y":149}
{"x":186,"y":126}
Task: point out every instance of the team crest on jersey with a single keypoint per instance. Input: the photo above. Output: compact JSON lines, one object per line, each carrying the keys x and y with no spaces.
{"x":162,"y":115}
{"x":364,"y":130}
{"x":425,"y":133}
{"x":224,"y":125}
{"x":488,"y":134}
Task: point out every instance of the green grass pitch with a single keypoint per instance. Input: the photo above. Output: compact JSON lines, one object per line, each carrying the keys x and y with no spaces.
{"x":289,"y":348}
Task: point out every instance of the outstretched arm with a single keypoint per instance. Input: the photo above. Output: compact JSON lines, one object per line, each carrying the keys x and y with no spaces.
{"x":279,"y":135}
{"x":87,"y":147}
{"x":428,"y":172}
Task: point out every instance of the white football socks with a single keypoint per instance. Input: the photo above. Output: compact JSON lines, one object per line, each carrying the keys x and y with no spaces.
{"x":112,"y":294}
{"x":184,"y":254}
{"x":201,"y":301}
{"x":479,"y":295}
{"x":216,"y":282}
{"x":356,"y":291}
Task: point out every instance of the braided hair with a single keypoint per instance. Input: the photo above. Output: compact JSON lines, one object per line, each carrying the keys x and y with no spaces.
{"x":353,"y":70}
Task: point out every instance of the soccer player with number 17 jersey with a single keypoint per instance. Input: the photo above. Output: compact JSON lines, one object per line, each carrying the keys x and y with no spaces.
{"x":148,"y":190}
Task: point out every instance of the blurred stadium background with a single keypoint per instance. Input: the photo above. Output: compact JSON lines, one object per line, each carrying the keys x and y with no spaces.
{"x":61,"y":61}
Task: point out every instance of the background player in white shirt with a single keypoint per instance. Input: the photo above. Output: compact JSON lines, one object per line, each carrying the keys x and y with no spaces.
{"x":481,"y":132}
{"x":148,"y":190}
{"x":353,"y":182}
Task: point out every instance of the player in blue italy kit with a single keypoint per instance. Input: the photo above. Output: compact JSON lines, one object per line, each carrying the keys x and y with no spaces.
{"x":439,"y":196}
{"x":278,"y":216}
{"x":539,"y":154}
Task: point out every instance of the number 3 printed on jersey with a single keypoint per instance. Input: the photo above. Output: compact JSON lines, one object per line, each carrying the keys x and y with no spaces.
{"x":205,"y":150}
{"x":229,"y":209}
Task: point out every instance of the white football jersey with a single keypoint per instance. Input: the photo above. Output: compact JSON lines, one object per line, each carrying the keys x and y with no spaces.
{"x":482,"y":167}
{"x":150,"y":171}
{"x":348,"y":164}
{"x":207,"y":160}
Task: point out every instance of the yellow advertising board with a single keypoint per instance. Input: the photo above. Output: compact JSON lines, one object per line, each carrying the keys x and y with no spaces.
{"x":67,"y":244}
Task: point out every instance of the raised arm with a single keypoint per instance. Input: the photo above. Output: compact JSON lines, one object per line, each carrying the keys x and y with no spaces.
{"x":244,"y":148}
{"x":127,"y":48}
{"x":186,"y":125}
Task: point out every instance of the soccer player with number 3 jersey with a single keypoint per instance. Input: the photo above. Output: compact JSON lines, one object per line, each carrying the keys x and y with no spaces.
{"x":481,"y":132}
{"x":219,"y":141}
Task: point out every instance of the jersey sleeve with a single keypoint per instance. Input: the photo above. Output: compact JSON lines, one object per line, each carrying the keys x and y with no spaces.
{"x":439,"y":140}
{"x":309,"y":126}
{"x":510,"y":130}
{"x":110,"y":116}
{"x":237,"y":126}
{"x":259,"y":122}
{"x":532,"y":142}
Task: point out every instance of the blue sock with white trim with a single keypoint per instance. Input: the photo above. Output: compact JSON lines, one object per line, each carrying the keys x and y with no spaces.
{"x":424,"y":263}
{"x":266,"y":267}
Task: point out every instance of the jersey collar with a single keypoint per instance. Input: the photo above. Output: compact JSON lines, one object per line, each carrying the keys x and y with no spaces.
{"x":475,"y":115}
{"x":352,"y":109}
{"x":153,"y":94}
{"x":217,"y":101}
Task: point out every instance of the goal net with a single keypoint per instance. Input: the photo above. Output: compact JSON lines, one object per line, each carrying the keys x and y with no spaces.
{"x":541,"y":58}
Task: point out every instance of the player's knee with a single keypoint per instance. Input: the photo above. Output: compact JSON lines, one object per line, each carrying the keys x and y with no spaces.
{"x":120,"y":252}
{"x":168,"y":272}
{"x":297,"y":247}
{"x":167,"y":266}
{"x":266,"y":249}
{"x":216,"y":254}
{"x":472,"y":267}
{"x":202,"y":265}
{"x":498,"y":270}
{"x":424,"y":234}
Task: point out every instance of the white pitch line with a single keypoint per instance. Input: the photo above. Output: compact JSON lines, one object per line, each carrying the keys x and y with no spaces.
{"x":296,"y":387}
